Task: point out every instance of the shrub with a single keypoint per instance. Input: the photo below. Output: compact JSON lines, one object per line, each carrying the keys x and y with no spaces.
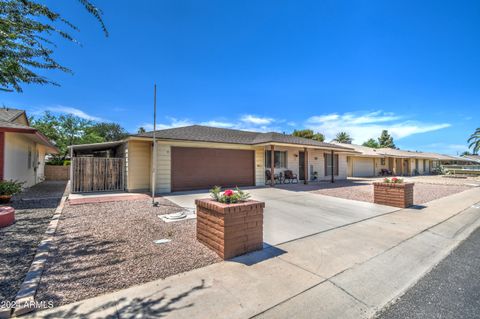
{"x":229,"y":196}
{"x":438,"y":170}
{"x":393,"y":180}
{"x":10,"y":187}
{"x":58,"y":162}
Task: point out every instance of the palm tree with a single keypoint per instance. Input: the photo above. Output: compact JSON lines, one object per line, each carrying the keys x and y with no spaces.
{"x":474,"y":141}
{"x":343,"y":137}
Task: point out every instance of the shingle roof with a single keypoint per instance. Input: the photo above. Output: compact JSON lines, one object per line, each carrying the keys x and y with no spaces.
{"x":474,"y":158}
{"x":221,"y":135}
{"x":364,"y":150}
{"x":9,"y":115}
{"x":15,"y":125}
{"x":382,"y":152}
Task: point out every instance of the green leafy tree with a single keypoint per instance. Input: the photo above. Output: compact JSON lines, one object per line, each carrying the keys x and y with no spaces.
{"x":309,"y":134}
{"x":386,"y":140}
{"x":66,"y":130}
{"x":27,"y":32}
{"x":343,"y":137}
{"x":371,"y":143}
{"x":108,"y":131}
{"x":474,"y":141}
{"x":141,"y":130}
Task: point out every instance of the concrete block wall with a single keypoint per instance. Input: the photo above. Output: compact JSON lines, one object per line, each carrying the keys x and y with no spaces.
{"x":57,"y":173}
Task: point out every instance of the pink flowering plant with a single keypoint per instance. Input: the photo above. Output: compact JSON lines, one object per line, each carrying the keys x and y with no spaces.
{"x":393,"y":180}
{"x":228,"y":196}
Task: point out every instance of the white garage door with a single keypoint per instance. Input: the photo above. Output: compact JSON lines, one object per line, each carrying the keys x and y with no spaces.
{"x":363,"y":167}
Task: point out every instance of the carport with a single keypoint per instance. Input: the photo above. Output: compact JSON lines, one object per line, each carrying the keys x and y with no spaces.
{"x":293,"y":214}
{"x":97,"y":167}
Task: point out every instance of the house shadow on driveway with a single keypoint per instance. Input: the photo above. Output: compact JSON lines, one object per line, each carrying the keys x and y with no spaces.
{"x":319,"y":185}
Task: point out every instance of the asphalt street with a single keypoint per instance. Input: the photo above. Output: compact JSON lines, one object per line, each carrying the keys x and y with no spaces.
{"x":450,"y":290}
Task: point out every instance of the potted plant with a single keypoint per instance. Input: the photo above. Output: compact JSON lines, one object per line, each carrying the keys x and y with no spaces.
{"x":229,"y":222}
{"x":393,"y":192}
{"x":8,"y":189}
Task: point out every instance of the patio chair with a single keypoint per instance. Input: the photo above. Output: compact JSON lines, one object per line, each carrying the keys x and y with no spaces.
{"x":385,"y":172}
{"x":290,"y":177}
{"x":268,"y":177}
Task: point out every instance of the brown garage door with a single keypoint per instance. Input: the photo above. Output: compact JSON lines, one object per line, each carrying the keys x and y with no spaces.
{"x":202,"y":168}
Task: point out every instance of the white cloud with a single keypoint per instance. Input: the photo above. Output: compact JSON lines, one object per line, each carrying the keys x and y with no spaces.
{"x":362,"y":126}
{"x":173,"y":122}
{"x":218,"y":124}
{"x":73,"y":111}
{"x":246,"y":123}
{"x":256,"y":120}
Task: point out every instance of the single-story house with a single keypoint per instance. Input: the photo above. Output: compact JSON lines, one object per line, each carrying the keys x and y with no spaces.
{"x":22,"y":148}
{"x":472,"y":159}
{"x":369,"y":161}
{"x":199,"y":157}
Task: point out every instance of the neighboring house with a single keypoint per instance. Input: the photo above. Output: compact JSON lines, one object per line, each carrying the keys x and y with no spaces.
{"x":473,"y":159}
{"x":22,"y":148}
{"x":199,"y":157}
{"x":369,"y":161}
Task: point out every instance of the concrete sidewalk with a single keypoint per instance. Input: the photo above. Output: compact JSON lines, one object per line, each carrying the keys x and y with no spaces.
{"x":347,"y":272}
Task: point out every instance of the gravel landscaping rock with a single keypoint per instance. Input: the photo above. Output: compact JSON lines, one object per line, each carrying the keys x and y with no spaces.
{"x":362,"y":190}
{"x":104,"y":247}
{"x":33,"y":210}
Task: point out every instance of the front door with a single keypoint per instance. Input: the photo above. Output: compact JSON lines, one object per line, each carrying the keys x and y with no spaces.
{"x":301,"y":166}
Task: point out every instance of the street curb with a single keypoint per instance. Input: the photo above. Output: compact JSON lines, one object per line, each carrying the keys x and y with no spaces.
{"x":25,"y":298}
{"x":377,"y":311}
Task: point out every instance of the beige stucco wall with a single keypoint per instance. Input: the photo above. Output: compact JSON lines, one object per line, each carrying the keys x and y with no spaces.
{"x":17,"y":147}
{"x":315,"y":163}
{"x":139,"y":165}
{"x":379,"y":166}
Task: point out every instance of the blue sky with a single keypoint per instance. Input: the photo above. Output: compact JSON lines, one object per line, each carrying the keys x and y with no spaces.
{"x":411,"y":67}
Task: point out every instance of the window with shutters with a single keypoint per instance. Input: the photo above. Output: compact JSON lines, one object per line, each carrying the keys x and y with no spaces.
{"x":329,"y":164}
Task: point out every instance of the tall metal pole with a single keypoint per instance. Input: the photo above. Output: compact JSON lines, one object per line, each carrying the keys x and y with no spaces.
{"x":154,"y":165}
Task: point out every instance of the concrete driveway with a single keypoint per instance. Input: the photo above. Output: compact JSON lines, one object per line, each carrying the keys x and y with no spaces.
{"x":292,"y":214}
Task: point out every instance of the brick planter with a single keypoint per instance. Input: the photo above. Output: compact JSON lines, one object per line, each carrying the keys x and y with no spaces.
{"x":230,"y":229}
{"x":393,"y":194}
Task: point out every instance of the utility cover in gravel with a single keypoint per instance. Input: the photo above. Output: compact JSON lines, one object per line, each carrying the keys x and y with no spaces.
{"x":100,"y":248}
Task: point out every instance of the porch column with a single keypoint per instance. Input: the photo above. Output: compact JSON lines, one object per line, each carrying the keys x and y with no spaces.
{"x":394,"y":166}
{"x":332,"y":169}
{"x":272,"y":165}
{"x":305,"y":166}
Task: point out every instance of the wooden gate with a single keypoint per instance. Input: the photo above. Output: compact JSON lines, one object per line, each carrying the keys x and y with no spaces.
{"x":97,"y":174}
